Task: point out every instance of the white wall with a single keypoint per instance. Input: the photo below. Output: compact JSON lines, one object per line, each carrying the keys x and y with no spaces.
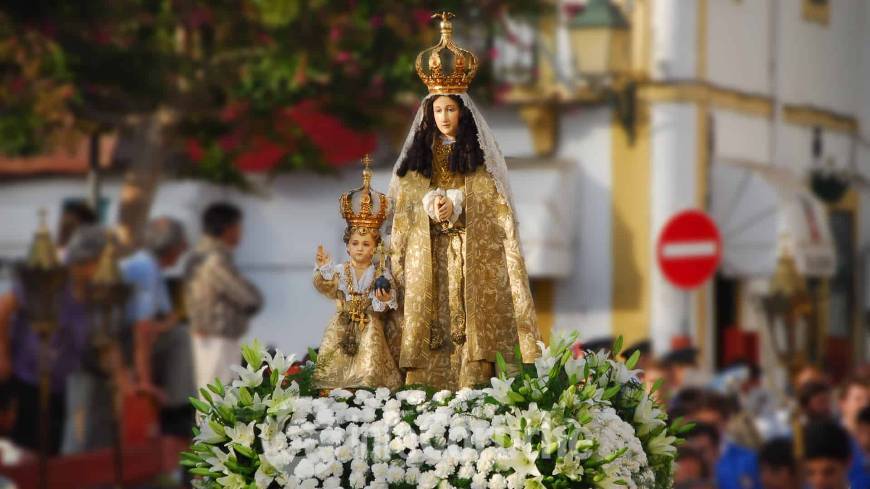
{"x":583,"y":301}
{"x":674,"y":39}
{"x":821,"y":64}
{"x":674,"y":182}
{"x":738,"y":44}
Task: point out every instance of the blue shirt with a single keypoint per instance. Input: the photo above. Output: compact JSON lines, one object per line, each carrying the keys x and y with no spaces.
{"x":859,"y":471}
{"x":150,"y":296}
{"x":737,"y":468}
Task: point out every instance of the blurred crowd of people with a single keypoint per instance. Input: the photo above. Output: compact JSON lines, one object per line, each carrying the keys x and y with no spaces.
{"x":814,"y":434}
{"x":176,"y":333}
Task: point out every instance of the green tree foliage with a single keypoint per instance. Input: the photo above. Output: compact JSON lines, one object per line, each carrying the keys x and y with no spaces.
{"x":256,"y":85}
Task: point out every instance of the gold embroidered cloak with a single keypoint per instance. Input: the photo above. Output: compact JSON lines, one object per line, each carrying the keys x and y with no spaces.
{"x":470,"y":281}
{"x":373,"y":364}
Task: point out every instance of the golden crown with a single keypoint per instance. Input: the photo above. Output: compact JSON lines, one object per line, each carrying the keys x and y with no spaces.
{"x":362,"y":198}
{"x":464,"y":62}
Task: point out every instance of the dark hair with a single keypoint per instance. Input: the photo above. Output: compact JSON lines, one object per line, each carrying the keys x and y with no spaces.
{"x":348,"y":231}
{"x":218,"y":217}
{"x":690,"y":400}
{"x":826,"y":439}
{"x":778,"y":453}
{"x":864,"y":415}
{"x":466,"y":157}
{"x":685,"y":453}
{"x":704,"y":429}
{"x":810,"y":390}
{"x":74,"y":213}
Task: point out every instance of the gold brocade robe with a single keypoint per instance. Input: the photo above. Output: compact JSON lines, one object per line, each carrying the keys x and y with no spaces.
{"x":465,"y":290}
{"x":373,"y":365}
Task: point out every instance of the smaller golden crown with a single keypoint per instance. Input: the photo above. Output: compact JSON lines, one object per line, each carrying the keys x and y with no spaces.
{"x":464,"y":63}
{"x":361,"y":198}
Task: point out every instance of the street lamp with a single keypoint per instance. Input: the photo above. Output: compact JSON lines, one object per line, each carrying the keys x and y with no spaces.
{"x":788,"y":307}
{"x":42,"y":277}
{"x":107,"y":296}
{"x":601,"y":44}
{"x":600,"y":40}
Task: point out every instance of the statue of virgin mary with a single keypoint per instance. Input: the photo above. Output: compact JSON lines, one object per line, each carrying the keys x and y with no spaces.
{"x":455,"y":252}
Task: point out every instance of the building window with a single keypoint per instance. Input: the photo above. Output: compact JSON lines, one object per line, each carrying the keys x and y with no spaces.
{"x":817,"y":11}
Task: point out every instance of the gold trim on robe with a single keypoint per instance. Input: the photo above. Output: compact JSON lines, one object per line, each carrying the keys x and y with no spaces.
{"x":482,"y":257}
{"x":372,"y":366}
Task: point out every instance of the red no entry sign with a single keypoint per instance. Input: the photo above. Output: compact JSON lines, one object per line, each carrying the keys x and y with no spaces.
{"x":689,"y":249}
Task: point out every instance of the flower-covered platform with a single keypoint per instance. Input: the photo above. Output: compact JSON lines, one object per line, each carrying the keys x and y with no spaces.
{"x":563,"y":422}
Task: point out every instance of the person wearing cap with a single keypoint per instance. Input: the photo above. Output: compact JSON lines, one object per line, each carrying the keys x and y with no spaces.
{"x":162,"y":358}
{"x":20,"y":345}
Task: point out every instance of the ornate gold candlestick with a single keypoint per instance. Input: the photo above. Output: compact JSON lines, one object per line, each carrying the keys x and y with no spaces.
{"x":42,"y":277}
{"x":107,"y":295}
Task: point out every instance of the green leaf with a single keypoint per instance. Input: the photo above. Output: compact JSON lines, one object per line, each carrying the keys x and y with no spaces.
{"x":657,"y":385}
{"x":244,"y":451}
{"x":611,"y":391}
{"x":245,"y":397}
{"x":501,"y":364}
{"x":219,"y":387}
{"x":253,"y":354}
{"x":686,"y":428}
{"x":518,"y":354}
{"x":205,"y":395}
{"x":516,"y":397}
{"x":227,"y":414}
{"x":202,"y":471}
{"x":312,"y":354}
{"x":217,"y":427}
{"x":200,"y":405}
{"x":273,"y":377}
{"x":617,"y":346}
{"x":633,"y":359}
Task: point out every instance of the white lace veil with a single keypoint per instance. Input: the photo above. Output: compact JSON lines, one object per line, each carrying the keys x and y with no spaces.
{"x":493,"y":158}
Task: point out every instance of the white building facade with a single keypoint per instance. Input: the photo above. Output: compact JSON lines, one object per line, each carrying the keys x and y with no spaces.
{"x":719,"y":88}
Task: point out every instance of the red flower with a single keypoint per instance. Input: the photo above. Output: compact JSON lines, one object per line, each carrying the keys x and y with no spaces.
{"x":338,"y":143}
{"x":229,"y":142}
{"x":194,"y":150}
{"x":293,"y":370}
{"x":376,"y":21}
{"x":335,"y":33}
{"x":263,"y":156}
{"x":342,"y":57}
{"x":233,"y":111}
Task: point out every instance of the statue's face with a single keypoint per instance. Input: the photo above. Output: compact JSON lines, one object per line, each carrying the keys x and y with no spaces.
{"x":446,"y":112}
{"x":361,"y":248}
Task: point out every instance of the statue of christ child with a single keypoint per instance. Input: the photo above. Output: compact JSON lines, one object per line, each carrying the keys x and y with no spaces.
{"x":354,"y":352}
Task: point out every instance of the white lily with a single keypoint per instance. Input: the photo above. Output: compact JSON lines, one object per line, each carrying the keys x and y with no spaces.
{"x":545,"y":363}
{"x":218,"y":460}
{"x":662,"y":444}
{"x":646,"y":416}
{"x":265,"y":473}
{"x":248,"y":377}
{"x":500,"y":389}
{"x":281,"y":401}
{"x":522,"y":460}
{"x":570,"y":466}
{"x":278,"y":362}
{"x":207,"y":434}
{"x":243,"y":434}
{"x":232,"y":481}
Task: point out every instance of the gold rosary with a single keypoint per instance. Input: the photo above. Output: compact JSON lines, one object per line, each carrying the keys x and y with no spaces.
{"x":358,"y":301}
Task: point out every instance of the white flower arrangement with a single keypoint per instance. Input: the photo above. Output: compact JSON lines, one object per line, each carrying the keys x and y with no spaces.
{"x":562,"y":422}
